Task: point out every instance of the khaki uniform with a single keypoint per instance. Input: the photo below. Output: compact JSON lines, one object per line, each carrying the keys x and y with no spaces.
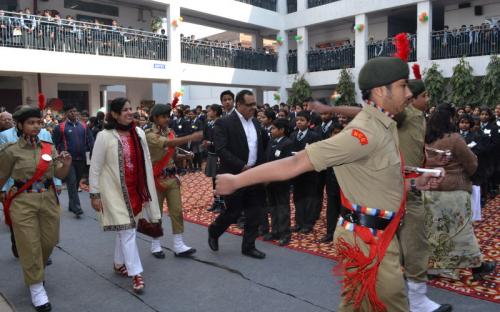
{"x":35,"y":216}
{"x":171,"y":183}
{"x":414,"y":244}
{"x":368,"y":169}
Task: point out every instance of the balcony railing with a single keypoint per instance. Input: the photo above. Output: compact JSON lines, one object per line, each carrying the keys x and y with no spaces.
{"x":265,"y":4}
{"x":331,"y":58}
{"x":292,"y":62}
{"x":476,"y":41}
{"x":226,"y":55}
{"x":291,"y":6}
{"x":60,"y":35}
{"x":315,"y":3}
{"x":387,"y":48}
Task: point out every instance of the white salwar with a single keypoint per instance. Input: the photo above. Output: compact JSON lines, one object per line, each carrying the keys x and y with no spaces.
{"x":126,"y":252}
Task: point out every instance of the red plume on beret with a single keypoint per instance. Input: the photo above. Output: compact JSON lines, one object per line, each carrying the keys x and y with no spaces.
{"x":416,"y":71}
{"x":41,"y":101}
{"x":175,"y":101}
{"x":402,"y":46}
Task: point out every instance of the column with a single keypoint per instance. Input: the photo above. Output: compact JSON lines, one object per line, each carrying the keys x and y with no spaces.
{"x":302,"y":47}
{"x":259,"y":95}
{"x":301,"y":5}
{"x":281,"y":7}
{"x":283,"y":64}
{"x":174,"y":47}
{"x":94,"y":98}
{"x":424,"y":32}
{"x":174,"y":86}
{"x":361,"y":50}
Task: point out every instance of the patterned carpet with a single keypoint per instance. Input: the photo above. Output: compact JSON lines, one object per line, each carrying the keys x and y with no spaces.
{"x":197,"y":196}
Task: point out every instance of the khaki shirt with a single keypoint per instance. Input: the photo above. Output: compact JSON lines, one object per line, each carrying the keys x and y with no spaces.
{"x":19,"y":160}
{"x":156,"y":143}
{"x":365,"y":157}
{"x":412,"y":135}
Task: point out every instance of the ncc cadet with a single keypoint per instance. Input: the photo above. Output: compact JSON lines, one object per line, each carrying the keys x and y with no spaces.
{"x":370,"y":172}
{"x":414,"y":243}
{"x":31,"y":205}
{"x":162,"y":142}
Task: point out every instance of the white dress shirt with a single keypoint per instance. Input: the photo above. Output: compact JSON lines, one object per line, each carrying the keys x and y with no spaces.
{"x":251,"y":134}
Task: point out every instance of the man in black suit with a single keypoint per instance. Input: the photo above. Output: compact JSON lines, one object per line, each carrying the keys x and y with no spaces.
{"x":240,"y":143}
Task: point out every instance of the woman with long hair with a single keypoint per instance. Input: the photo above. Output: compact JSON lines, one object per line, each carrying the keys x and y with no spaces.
{"x":449,"y":216}
{"x":121,"y":184}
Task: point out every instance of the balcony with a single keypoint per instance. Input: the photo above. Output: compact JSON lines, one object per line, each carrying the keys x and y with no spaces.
{"x":223,"y":54}
{"x":331,"y":58}
{"x":476,"y":41}
{"x":292,"y":62}
{"x":265,"y":4}
{"x":69,"y":36}
{"x":315,"y":3}
{"x":387,"y":48}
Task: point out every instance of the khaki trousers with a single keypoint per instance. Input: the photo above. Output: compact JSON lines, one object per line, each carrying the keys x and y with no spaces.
{"x":390,"y":285}
{"x":414,"y":243}
{"x":35,"y":221}
{"x":172,"y":194}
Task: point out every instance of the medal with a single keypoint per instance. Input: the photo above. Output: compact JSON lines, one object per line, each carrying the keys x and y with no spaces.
{"x":46,"y":157}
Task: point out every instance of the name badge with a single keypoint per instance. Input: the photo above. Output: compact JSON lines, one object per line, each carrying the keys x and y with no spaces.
{"x":277,"y":153}
{"x":180,"y":127}
{"x":487,"y":131}
{"x":472,"y":144}
{"x":46,"y":157}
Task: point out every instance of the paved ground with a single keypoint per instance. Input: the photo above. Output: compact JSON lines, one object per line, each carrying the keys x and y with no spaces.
{"x":81,"y":278}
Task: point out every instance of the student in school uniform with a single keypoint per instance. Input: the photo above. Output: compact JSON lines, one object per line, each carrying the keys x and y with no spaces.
{"x":214,"y":112}
{"x":305,"y":185}
{"x":278,"y":193}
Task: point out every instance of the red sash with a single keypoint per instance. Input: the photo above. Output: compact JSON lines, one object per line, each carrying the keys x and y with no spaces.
{"x":162,"y":163}
{"x":359,"y":271}
{"x":41,"y":168}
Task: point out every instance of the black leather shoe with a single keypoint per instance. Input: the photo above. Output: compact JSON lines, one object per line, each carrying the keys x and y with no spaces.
{"x":486,"y":268}
{"x":186,"y":253}
{"x":327,"y":238}
{"x":44,"y":307}
{"x":269,"y":236}
{"x":284,"y":241}
{"x":49,"y":262}
{"x":159,"y":254}
{"x":254,"y":253}
{"x":213,"y":242}
{"x":444,"y":308}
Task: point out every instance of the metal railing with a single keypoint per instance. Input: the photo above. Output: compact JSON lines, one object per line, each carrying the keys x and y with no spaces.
{"x":61,"y":35}
{"x":265,"y":4}
{"x":331,"y":58}
{"x":213,"y":53}
{"x":292,"y":62}
{"x":387,"y":48}
{"x":475,"y":41}
{"x":291,"y":6}
{"x":315,"y":3}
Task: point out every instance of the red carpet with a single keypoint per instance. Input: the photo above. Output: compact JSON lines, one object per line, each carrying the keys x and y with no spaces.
{"x":197,"y":197}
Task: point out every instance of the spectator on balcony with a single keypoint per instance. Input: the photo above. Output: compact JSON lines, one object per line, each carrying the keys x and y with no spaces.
{"x":5,"y":28}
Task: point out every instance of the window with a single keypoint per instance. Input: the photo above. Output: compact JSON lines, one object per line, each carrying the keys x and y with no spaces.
{"x":91,"y":7}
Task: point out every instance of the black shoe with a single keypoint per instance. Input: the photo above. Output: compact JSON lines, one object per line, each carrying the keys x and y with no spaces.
{"x":213,"y":242}
{"x":14,"y":250}
{"x":327,"y":238}
{"x":306,"y":230}
{"x":269,"y":236}
{"x":295,"y":228}
{"x":78,"y":213}
{"x":186,"y":253}
{"x":284,"y":241}
{"x":212,"y":208}
{"x":444,"y":308}
{"x":44,"y":307}
{"x":159,"y":254}
{"x":485,"y":269}
{"x":49,"y":262}
{"x":254,"y":253}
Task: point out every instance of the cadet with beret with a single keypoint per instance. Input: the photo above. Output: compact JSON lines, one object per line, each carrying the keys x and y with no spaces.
{"x":31,"y":205}
{"x":367,"y":164}
{"x":162,"y":142}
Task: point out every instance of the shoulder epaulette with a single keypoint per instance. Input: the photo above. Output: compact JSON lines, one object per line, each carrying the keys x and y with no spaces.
{"x":5,"y":145}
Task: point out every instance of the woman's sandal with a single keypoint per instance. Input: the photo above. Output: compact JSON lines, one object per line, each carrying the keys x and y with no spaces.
{"x":121,"y":270}
{"x":138,"y":284}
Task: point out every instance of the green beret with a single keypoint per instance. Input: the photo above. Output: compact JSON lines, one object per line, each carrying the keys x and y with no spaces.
{"x":381,"y":71}
{"x":25,"y":112}
{"x":158,"y":110}
{"x":417,"y":87}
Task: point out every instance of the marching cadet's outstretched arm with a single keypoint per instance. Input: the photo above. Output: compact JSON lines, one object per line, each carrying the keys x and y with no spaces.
{"x":197,"y":136}
{"x":349,"y":111}
{"x":279,"y":170}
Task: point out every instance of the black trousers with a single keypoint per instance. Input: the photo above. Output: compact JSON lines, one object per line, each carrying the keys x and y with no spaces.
{"x":250,"y":201}
{"x":333,"y":201}
{"x":305,"y":198}
{"x":279,"y":206}
{"x":320,"y":187}
{"x":73,"y":182}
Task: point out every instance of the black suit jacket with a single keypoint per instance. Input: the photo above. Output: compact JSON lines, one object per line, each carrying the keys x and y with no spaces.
{"x":310,"y":137}
{"x":285,"y":147}
{"x":231,"y":143}
{"x":324,"y":134}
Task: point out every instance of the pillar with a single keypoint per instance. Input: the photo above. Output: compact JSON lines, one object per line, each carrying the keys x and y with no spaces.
{"x":361,"y":50}
{"x":302,"y":48}
{"x":424,"y":32}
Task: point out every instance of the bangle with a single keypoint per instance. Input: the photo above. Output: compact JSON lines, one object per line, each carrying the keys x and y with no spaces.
{"x":95,"y":195}
{"x":413,"y":185}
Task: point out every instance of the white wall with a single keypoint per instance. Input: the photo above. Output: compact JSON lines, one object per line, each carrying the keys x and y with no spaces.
{"x":455,"y":17}
{"x":128,"y":16}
